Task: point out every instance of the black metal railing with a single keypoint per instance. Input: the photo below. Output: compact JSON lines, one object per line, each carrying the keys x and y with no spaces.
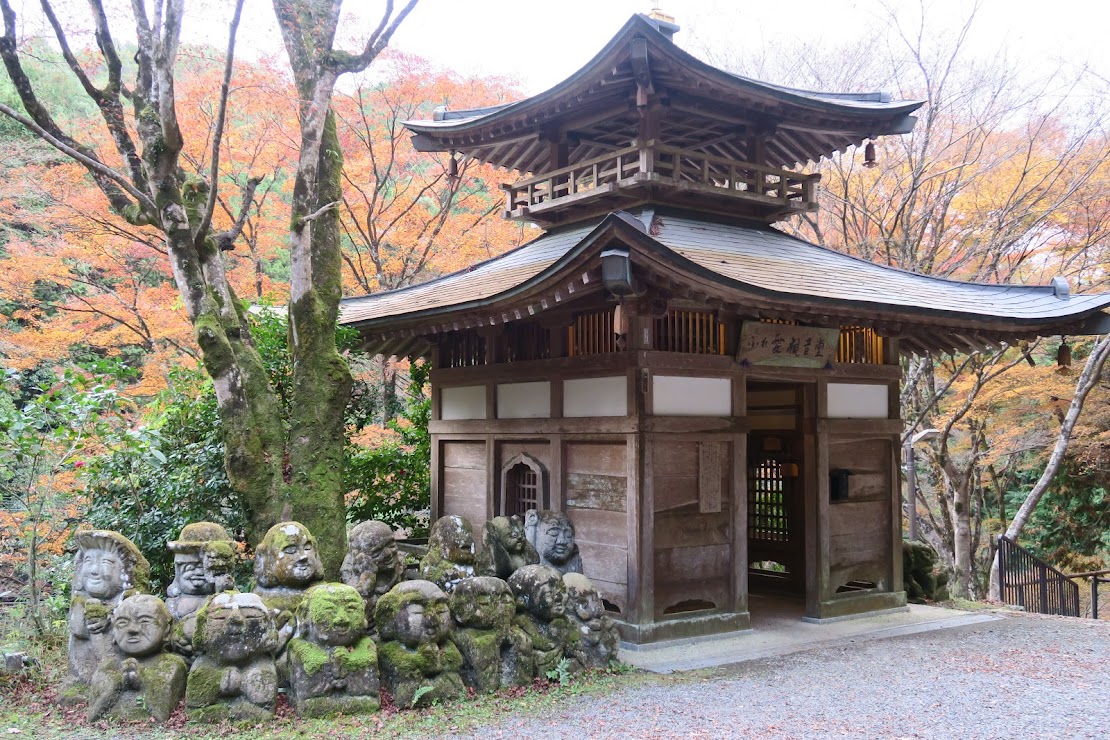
{"x":1031,"y":583}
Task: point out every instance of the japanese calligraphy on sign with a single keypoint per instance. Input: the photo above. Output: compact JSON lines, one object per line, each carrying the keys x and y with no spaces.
{"x":783,"y":344}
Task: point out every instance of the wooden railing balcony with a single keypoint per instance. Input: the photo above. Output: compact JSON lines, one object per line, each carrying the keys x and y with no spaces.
{"x":682,"y":176}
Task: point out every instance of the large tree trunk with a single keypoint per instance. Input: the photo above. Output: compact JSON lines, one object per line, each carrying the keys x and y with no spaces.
{"x":321,"y":379}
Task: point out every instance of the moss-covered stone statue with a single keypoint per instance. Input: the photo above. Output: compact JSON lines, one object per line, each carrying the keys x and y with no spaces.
{"x":552,"y":534}
{"x":451,"y":553}
{"x":373,"y":564}
{"x":505,"y":547}
{"x":107,"y":569}
{"x":419,"y":664}
{"x":495,"y":651}
{"x":286,"y":563}
{"x":192,"y":582}
{"x":333,"y":663}
{"x":139,"y":680}
{"x":234,"y":676}
{"x":596,"y":643}
{"x":541,"y":600}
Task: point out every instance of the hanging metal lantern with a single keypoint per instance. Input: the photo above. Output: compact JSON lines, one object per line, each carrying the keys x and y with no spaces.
{"x":1063,"y":354}
{"x":869,"y":155}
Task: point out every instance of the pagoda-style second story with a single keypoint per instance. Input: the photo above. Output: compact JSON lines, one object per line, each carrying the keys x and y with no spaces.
{"x":646,"y":122}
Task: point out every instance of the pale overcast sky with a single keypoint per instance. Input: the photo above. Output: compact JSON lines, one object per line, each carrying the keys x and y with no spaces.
{"x":541,"y":42}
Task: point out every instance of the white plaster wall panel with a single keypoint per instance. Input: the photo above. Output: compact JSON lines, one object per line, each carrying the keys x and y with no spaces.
{"x":677,"y":395}
{"x":524,"y":400}
{"x":462,"y":402}
{"x":858,"y":401}
{"x":595,"y":396}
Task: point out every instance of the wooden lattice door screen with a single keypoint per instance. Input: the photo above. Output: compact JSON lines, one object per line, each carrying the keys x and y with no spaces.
{"x":768,"y":501}
{"x":522,"y":490}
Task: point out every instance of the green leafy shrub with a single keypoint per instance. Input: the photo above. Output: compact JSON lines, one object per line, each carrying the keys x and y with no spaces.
{"x":158,"y":477}
{"x":392,"y":482}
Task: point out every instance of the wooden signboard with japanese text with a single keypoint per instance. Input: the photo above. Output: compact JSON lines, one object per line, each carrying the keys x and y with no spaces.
{"x":786,"y":345}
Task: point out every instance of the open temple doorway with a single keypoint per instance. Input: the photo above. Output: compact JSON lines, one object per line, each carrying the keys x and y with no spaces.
{"x":776,"y":489}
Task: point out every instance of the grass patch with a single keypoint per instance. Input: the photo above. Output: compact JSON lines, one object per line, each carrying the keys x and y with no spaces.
{"x":28,"y":707}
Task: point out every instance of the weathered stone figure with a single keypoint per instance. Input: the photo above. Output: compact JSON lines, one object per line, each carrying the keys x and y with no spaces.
{"x":541,"y":600}
{"x":495,"y":652}
{"x":373,"y":565}
{"x":451,"y":552}
{"x":191,"y":584}
{"x":552,"y":534}
{"x":419,"y":664}
{"x":597,"y":636}
{"x":139,"y":680}
{"x":505,"y":547}
{"x":333,"y":664}
{"x":192,"y":581}
{"x":107,"y":569}
{"x":286,"y":563}
{"x":218,"y":558}
{"x":234,"y":676}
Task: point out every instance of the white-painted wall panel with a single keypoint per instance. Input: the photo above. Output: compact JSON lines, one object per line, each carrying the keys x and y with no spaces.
{"x":677,"y":395}
{"x":595,"y":396}
{"x":524,"y":400}
{"x":858,"y":401}
{"x":462,"y":402}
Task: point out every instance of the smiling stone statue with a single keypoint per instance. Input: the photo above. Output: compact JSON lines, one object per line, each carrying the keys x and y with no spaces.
{"x":541,"y":599}
{"x":333,"y":664}
{"x":552,"y":534}
{"x":234,"y":676}
{"x":495,"y":651}
{"x":419,"y":664}
{"x":505,"y":547}
{"x":139,"y":680}
{"x":373,"y":565}
{"x":107,"y":568}
{"x":451,"y":552}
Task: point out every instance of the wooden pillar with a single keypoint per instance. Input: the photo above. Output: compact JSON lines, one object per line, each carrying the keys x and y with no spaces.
{"x":739,"y":535}
{"x":817,"y":505}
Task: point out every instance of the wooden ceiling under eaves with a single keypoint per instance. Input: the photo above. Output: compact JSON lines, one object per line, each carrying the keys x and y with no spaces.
{"x":600,"y":108}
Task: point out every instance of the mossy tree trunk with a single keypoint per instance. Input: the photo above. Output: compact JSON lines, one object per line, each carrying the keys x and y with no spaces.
{"x":321,"y":379}
{"x":281,"y":475}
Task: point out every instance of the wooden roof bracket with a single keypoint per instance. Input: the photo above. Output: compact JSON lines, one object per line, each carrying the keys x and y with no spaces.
{"x":640,"y":61}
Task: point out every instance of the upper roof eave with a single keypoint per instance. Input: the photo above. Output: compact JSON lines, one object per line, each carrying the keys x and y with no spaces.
{"x":630,"y":230}
{"x":873,"y":107}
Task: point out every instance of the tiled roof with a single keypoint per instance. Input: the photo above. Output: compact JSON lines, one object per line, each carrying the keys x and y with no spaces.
{"x":747,"y":258}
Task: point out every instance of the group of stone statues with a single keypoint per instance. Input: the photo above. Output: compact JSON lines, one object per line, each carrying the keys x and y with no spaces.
{"x":481,"y":619}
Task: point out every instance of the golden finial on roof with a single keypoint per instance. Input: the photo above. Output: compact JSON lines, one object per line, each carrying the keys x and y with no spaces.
{"x":659,"y":15}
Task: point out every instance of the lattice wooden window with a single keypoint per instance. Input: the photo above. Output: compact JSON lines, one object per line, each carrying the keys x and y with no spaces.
{"x":462,"y":349}
{"x":695,"y":332}
{"x":524,"y":342}
{"x":859,"y":345}
{"x":592,"y":334}
{"x":523,"y":486}
{"x":768,"y":515}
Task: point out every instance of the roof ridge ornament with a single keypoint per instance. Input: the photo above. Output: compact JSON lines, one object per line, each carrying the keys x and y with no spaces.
{"x":1060,"y":287}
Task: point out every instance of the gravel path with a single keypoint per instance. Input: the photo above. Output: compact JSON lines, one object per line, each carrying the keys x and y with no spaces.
{"x":1023,"y":676}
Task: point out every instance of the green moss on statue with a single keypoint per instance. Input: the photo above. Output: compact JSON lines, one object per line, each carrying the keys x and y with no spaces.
{"x":333,"y":664}
{"x":416,"y":655}
{"x":541,"y":599}
{"x":593,"y":636}
{"x":286,"y":563}
{"x":235,"y":677}
{"x":495,"y":652}
{"x":139,"y":681}
{"x":451,"y":553}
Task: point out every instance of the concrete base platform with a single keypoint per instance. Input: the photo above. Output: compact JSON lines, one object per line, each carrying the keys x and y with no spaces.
{"x":778,"y":629}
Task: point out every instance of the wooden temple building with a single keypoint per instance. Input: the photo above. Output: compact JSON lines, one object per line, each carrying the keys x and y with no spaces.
{"x":713,"y":403}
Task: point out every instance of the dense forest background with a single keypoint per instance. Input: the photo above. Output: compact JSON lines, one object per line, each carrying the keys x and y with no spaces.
{"x":108,"y":418}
